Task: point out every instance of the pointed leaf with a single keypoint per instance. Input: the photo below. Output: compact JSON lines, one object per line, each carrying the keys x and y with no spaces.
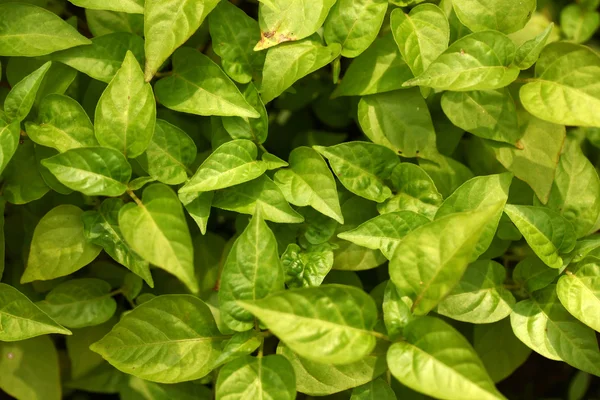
{"x":506,"y":16}
{"x":20,"y":99}
{"x":529,"y":52}
{"x":532,"y":274}
{"x":306,"y":268}
{"x":9,"y":141}
{"x":374,"y":390}
{"x":396,"y":311}
{"x":198,"y":206}
{"x":579,"y":292}
{"x":255,"y":129}
{"x":241,"y":344}
{"x":126,"y":6}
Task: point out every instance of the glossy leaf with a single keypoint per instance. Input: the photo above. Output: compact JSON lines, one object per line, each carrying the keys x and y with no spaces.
{"x":240,"y":344}
{"x":307,"y":268}
{"x":505,"y":16}
{"x":198,"y":206}
{"x":377,"y":389}
{"x":127,"y":6}
{"x":579,"y":292}
{"x":579,"y":24}
{"x":532,"y":274}
{"x":20,"y":99}
{"x":23,"y":182}
{"x":9,"y":141}
{"x":396,"y":310}
{"x":529,"y":52}
{"x":146,"y":390}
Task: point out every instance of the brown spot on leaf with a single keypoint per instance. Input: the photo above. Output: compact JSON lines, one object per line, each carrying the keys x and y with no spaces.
{"x":519,"y":145}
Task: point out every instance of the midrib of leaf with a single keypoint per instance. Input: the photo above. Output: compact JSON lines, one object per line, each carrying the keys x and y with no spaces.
{"x":315,"y":192}
{"x":58,"y":130}
{"x":581,"y":283}
{"x":212,"y":95}
{"x":572,"y":90}
{"x":72,"y":303}
{"x":162,"y":235}
{"x":174,"y":341}
{"x":480,"y":107}
{"x":354,"y":166}
{"x":535,"y":228}
{"x":28,"y":319}
{"x":233,"y":35}
{"x":231,"y":171}
{"x":188,"y":171}
{"x":88,"y":172}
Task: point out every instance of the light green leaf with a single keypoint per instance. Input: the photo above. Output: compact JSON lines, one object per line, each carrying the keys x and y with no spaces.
{"x":290,"y":62}
{"x":374,"y":390}
{"x":156,"y":229}
{"x":396,"y":311}
{"x":59,"y":247}
{"x":23,"y":182}
{"x":64,"y":125}
{"x":199,"y":86}
{"x":506,"y":16}
{"x":103,"y":22}
{"x":529,"y":52}
{"x":564,"y":89}
{"x":198,"y":206}
{"x":447,"y":173}
{"x":140,"y":182}
{"x":93,"y":171}
{"x":140,"y":389}
{"x":126,"y":6}
{"x":31,"y":31}
{"x":579,"y":24}
{"x":103,"y":379}
{"x":362,"y":167}
{"x":255,"y":129}
{"x":126,"y":112}
{"x":328,"y":324}
{"x":21,"y":319}
{"x":232,"y":163}
{"x":167,"y":25}
{"x":532,"y":274}
{"x":309,"y":182}
{"x":354,"y":24}
{"x":41,"y":154}
{"x":20,"y":99}
{"x":430,"y":260}
{"x":437,"y":360}
{"x":9,"y":141}
{"x":548,"y":234}
{"x":241,"y":344}
{"x":2,"y":236}
{"x":478,"y":61}
{"x":83,"y":360}
{"x":306,"y":268}
{"x":252,"y":272}
{"x":399,"y":120}
{"x":422,"y":35}
{"x":579,"y":292}
{"x":169,"y":339}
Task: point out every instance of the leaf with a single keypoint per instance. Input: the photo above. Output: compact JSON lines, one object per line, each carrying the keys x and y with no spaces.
{"x":362,"y":167}
{"x":169,"y":154}
{"x":399,"y":120}
{"x":103,"y":58}
{"x":234,"y":35}
{"x":374,"y":390}
{"x":532,"y":274}
{"x":169,"y":339}
{"x":127,"y":6}
{"x":31,"y":31}
{"x":101,"y":228}
{"x":78,"y":303}
{"x":529,"y":52}
{"x":199,"y":86}
{"x":20,"y":99}
{"x":396,"y":311}
{"x":232,"y":163}
{"x":430,"y":260}
{"x":579,"y":292}
{"x":23,"y":182}
{"x":447,"y":173}
{"x":103,"y":22}
{"x":307,"y":268}
{"x":505,"y":16}
{"x":479,"y":297}
{"x":146,"y":390}
{"x":563,"y":90}
{"x":198,"y":206}
{"x":322,"y":323}
{"x":579,"y":24}
{"x":252,"y":271}
{"x":21,"y":319}
{"x":240,"y":344}
{"x":93,"y":171}
{"x":168,"y":25}
{"x":9,"y":141}
{"x":126,"y":112}
{"x":545,"y":230}
{"x":489,"y":114}
{"x":422,"y":35}
{"x":436,"y":360}
{"x":155,"y":228}
{"x":309,"y":182}
{"x":354,"y":24}
{"x":2,"y":237}
{"x":255,"y":129}
{"x":58,"y":247}
{"x":478,"y":61}
{"x":283,"y":21}
{"x":64,"y":125}
{"x":103,"y":379}
{"x":288,"y":63}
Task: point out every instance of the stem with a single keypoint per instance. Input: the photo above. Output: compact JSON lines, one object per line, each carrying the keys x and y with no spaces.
{"x":260,"y":146}
{"x":380,"y":336}
{"x":388,"y":375}
{"x":163,"y":74}
{"x":115,"y":292}
{"x":135,"y":198}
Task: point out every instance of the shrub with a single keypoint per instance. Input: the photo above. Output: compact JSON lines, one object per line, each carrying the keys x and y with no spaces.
{"x":359,"y":199}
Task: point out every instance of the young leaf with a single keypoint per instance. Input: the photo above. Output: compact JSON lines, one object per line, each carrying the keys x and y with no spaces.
{"x":306,"y":268}
{"x":20,"y":99}
{"x":155,"y":228}
{"x":255,"y":129}
{"x":579,"y":292}
{"x":529,"y":52}
{"x":437,"y":360}
{"x":579,"y":24}
{"x":374,"y":390}
{"x":198,"y":206}
{"x":506,"y":16}
{"x":447,"y":173}
{"x":532,"y":274}
{"x":176,"y":336}
{"x":102,"y":22}
{"x":126,"y":6}
{"x":321,"y":324}
{"x":126,"y":112}
{"x":241,"y":344}
{"x":396,"y":311}
{"x":9,"y":141}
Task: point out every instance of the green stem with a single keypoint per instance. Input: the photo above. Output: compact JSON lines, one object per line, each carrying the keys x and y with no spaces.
{"x":135,"y":198}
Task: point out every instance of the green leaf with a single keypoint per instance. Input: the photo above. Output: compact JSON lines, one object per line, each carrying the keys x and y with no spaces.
{"x":9,"y":141}
{"x":529,"y":52}
{"x":21,"y":319}
{"x":83,"y":360}
{"x":396,"y":311}
{"x":252,"y":271}
{"x":234,"y":35}
{"x":169,"y":154}
{"x":168,"y":25}
{"x":374,"y":390}
{"x":255,"y":129}
{"x":321,"y":324}
{"x":241,"y":344}
{"x":64,"y":125}
{"x":126,"y":6}
{"x":354,"y":24}
{"x":489,"y":114}
{"x":545,"y":230}
{"x":103,"y":22}
{"x":422,"y":35}
{"x":102,"y":59}
{"x":270,"y":377}
{"x":58,"y":247}
{"x":23,"y":182}
{"x":479,"y":297}
{"x":306,"y":268}
{"x":2,"y":236}
{"x":199,"y":86}
{"x":232,"y":163}
{"x":506,"y":16}
{"x":169,"y":339}
{"x":103,"y":379}
{"x":80,"y":302}
{"x":288,"y":63}
{"x":198,"y":206}
{"x":101,"y":228}
{"x":309,"y":182}
{"x":126,"y":112}
{"x":579,"y":24}
{"x":140,"y":389}
{"x":532,"y":274}
{"x":41,"y":154}
{"x":20,"y":99}
{"x":93,"y":171}
{"x":399,"y":120}
{"x":132,"y":286}
{"x":284,"y":21}
{"x":31,"y":31}
{"x":362,"y":167}
{"x":430,"y":260}
{"x":563,"y":90}
{"x":447,"y":173}
{"x":478,"y":61}
{"x":579,"y":292}
{"x":436,"y":360}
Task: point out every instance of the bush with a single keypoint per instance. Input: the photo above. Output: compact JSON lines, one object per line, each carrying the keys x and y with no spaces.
{"x":352,"y":199}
